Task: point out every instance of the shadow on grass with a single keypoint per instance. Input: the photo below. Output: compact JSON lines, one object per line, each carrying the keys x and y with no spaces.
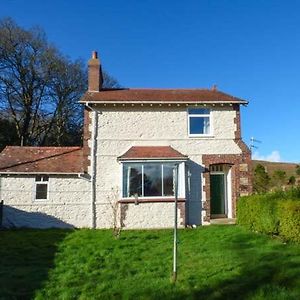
{"x":271,"y":272}
{"x":92,"y":265}
{"x":18,"y":218}
{"x":262,"y":280}
{"x":26,"y":256}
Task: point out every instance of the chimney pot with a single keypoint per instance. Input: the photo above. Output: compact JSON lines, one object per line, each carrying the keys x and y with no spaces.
{"x":94,"y":55}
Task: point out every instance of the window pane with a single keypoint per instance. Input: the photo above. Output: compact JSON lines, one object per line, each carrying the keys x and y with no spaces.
{"x":45,"y":178}
{"x":38,"y":178}
{"x":199,"y":125}
{"x":152,"y":180}
{"x":132,"y":180}
{"x":41,"y":191}
{"x":199,"y":111}
{"x":168,"y":180}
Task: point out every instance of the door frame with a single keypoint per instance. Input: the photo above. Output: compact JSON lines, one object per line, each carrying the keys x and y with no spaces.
{"x":225,"y":183}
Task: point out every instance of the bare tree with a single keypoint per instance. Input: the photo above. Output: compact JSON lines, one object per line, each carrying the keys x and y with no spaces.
{"x":65,"y":89}
{"x":25,"y":65}
{"x":40,"y":88}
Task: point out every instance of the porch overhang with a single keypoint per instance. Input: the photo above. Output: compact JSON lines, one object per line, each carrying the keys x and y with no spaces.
{"x":152,"y":153}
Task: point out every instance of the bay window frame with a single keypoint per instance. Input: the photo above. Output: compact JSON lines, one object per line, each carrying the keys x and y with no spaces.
{"x":181,"y":178}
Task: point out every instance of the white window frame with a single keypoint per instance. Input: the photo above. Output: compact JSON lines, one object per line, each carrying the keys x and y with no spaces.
{"x":42,"y":181}
{"x":181,"y":178}
{"x":210,"y":134}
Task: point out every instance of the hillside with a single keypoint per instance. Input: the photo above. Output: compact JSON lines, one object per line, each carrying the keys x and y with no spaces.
{"x":289,"y":168}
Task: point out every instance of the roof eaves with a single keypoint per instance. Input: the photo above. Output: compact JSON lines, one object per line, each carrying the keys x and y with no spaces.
{"x":35,"y":173}
{"x":243,"y":102}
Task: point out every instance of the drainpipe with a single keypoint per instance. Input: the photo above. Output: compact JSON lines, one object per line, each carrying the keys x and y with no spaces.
{"x":93,"y":165}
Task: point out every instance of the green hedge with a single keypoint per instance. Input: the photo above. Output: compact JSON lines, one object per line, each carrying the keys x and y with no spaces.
{"x":274,"y":213}
{"x":289,"y":217}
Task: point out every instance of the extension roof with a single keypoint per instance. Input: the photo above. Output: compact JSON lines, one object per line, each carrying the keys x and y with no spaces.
{"x":50,"y":160}
{"x":152,"y":152}
{"x":191,"y":96}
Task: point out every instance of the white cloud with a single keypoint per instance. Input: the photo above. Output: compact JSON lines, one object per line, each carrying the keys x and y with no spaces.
{"x":273,"y":156}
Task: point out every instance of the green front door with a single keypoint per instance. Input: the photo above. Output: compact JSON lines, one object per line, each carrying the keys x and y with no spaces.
{"x":217,"y":194}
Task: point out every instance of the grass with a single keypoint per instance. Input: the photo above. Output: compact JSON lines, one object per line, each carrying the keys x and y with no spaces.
{"x":215,"y":262}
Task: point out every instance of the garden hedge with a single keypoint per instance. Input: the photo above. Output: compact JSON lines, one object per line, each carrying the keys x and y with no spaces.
{"x":274,"y":213}
{"x":289,"y":218}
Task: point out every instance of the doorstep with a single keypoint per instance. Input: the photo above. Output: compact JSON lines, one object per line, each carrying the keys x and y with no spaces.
{"x":223,"y":221}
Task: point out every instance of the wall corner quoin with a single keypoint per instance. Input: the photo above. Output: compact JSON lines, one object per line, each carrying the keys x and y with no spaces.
{"x":86,"y":138}
{"x":244,"y":172}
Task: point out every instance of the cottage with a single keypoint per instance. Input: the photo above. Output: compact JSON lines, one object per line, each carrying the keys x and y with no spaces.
{"x":133,"y":139}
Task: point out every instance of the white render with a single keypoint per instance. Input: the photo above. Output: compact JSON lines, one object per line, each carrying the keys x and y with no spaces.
{"x":118,"y":129}
{"x":151,"y":215}
{"x":122,"y":127}
{"x":67,"y":204}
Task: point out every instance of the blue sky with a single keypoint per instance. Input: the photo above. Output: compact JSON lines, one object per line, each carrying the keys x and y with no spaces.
{"x":250,"y":49}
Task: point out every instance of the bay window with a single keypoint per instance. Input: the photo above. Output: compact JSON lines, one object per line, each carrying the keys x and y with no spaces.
{"x":151,"y":179}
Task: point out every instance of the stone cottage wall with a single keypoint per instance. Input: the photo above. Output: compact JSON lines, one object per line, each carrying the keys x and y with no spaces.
{"x":122,"y":127}
{"x":68,"y":204}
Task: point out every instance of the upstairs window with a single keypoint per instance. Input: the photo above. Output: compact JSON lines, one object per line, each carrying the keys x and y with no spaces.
{"x":199,"y":122}
{"x":41,"y":187}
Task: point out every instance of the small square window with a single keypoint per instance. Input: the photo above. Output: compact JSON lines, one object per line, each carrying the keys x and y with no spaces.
{"x":199,"y":121}
{"x":41,"y":187}
{"x":41,"y":178}
{"x":38,"y":178}
{"x":41,"y":191}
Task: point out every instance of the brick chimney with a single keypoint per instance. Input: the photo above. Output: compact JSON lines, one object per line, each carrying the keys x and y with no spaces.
{"x":95,"y":73}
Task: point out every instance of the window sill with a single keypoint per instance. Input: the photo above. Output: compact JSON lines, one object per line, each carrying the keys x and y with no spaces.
{"x":150,"y":200}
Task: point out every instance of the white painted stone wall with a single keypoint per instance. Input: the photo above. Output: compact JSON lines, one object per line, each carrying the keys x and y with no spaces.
{"x":68,"y":204}
{"x":120,"y":128}
{"x":151,"y":215}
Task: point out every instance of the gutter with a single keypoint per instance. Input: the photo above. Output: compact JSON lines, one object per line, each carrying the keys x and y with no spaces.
{"x":189,"y":103}
{"x":41,"y":173}
{"x":93,"y":165}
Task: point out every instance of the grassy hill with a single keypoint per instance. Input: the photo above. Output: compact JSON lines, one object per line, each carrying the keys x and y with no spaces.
{"x":289,"y":168}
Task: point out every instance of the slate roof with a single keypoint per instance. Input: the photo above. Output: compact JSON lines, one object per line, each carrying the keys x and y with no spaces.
{"x":53,"y":160}
{"x":152,"y":152}
{"x":161,"y":95}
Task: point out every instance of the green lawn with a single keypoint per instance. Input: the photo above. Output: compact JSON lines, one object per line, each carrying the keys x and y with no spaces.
{"x":215,"y":262}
